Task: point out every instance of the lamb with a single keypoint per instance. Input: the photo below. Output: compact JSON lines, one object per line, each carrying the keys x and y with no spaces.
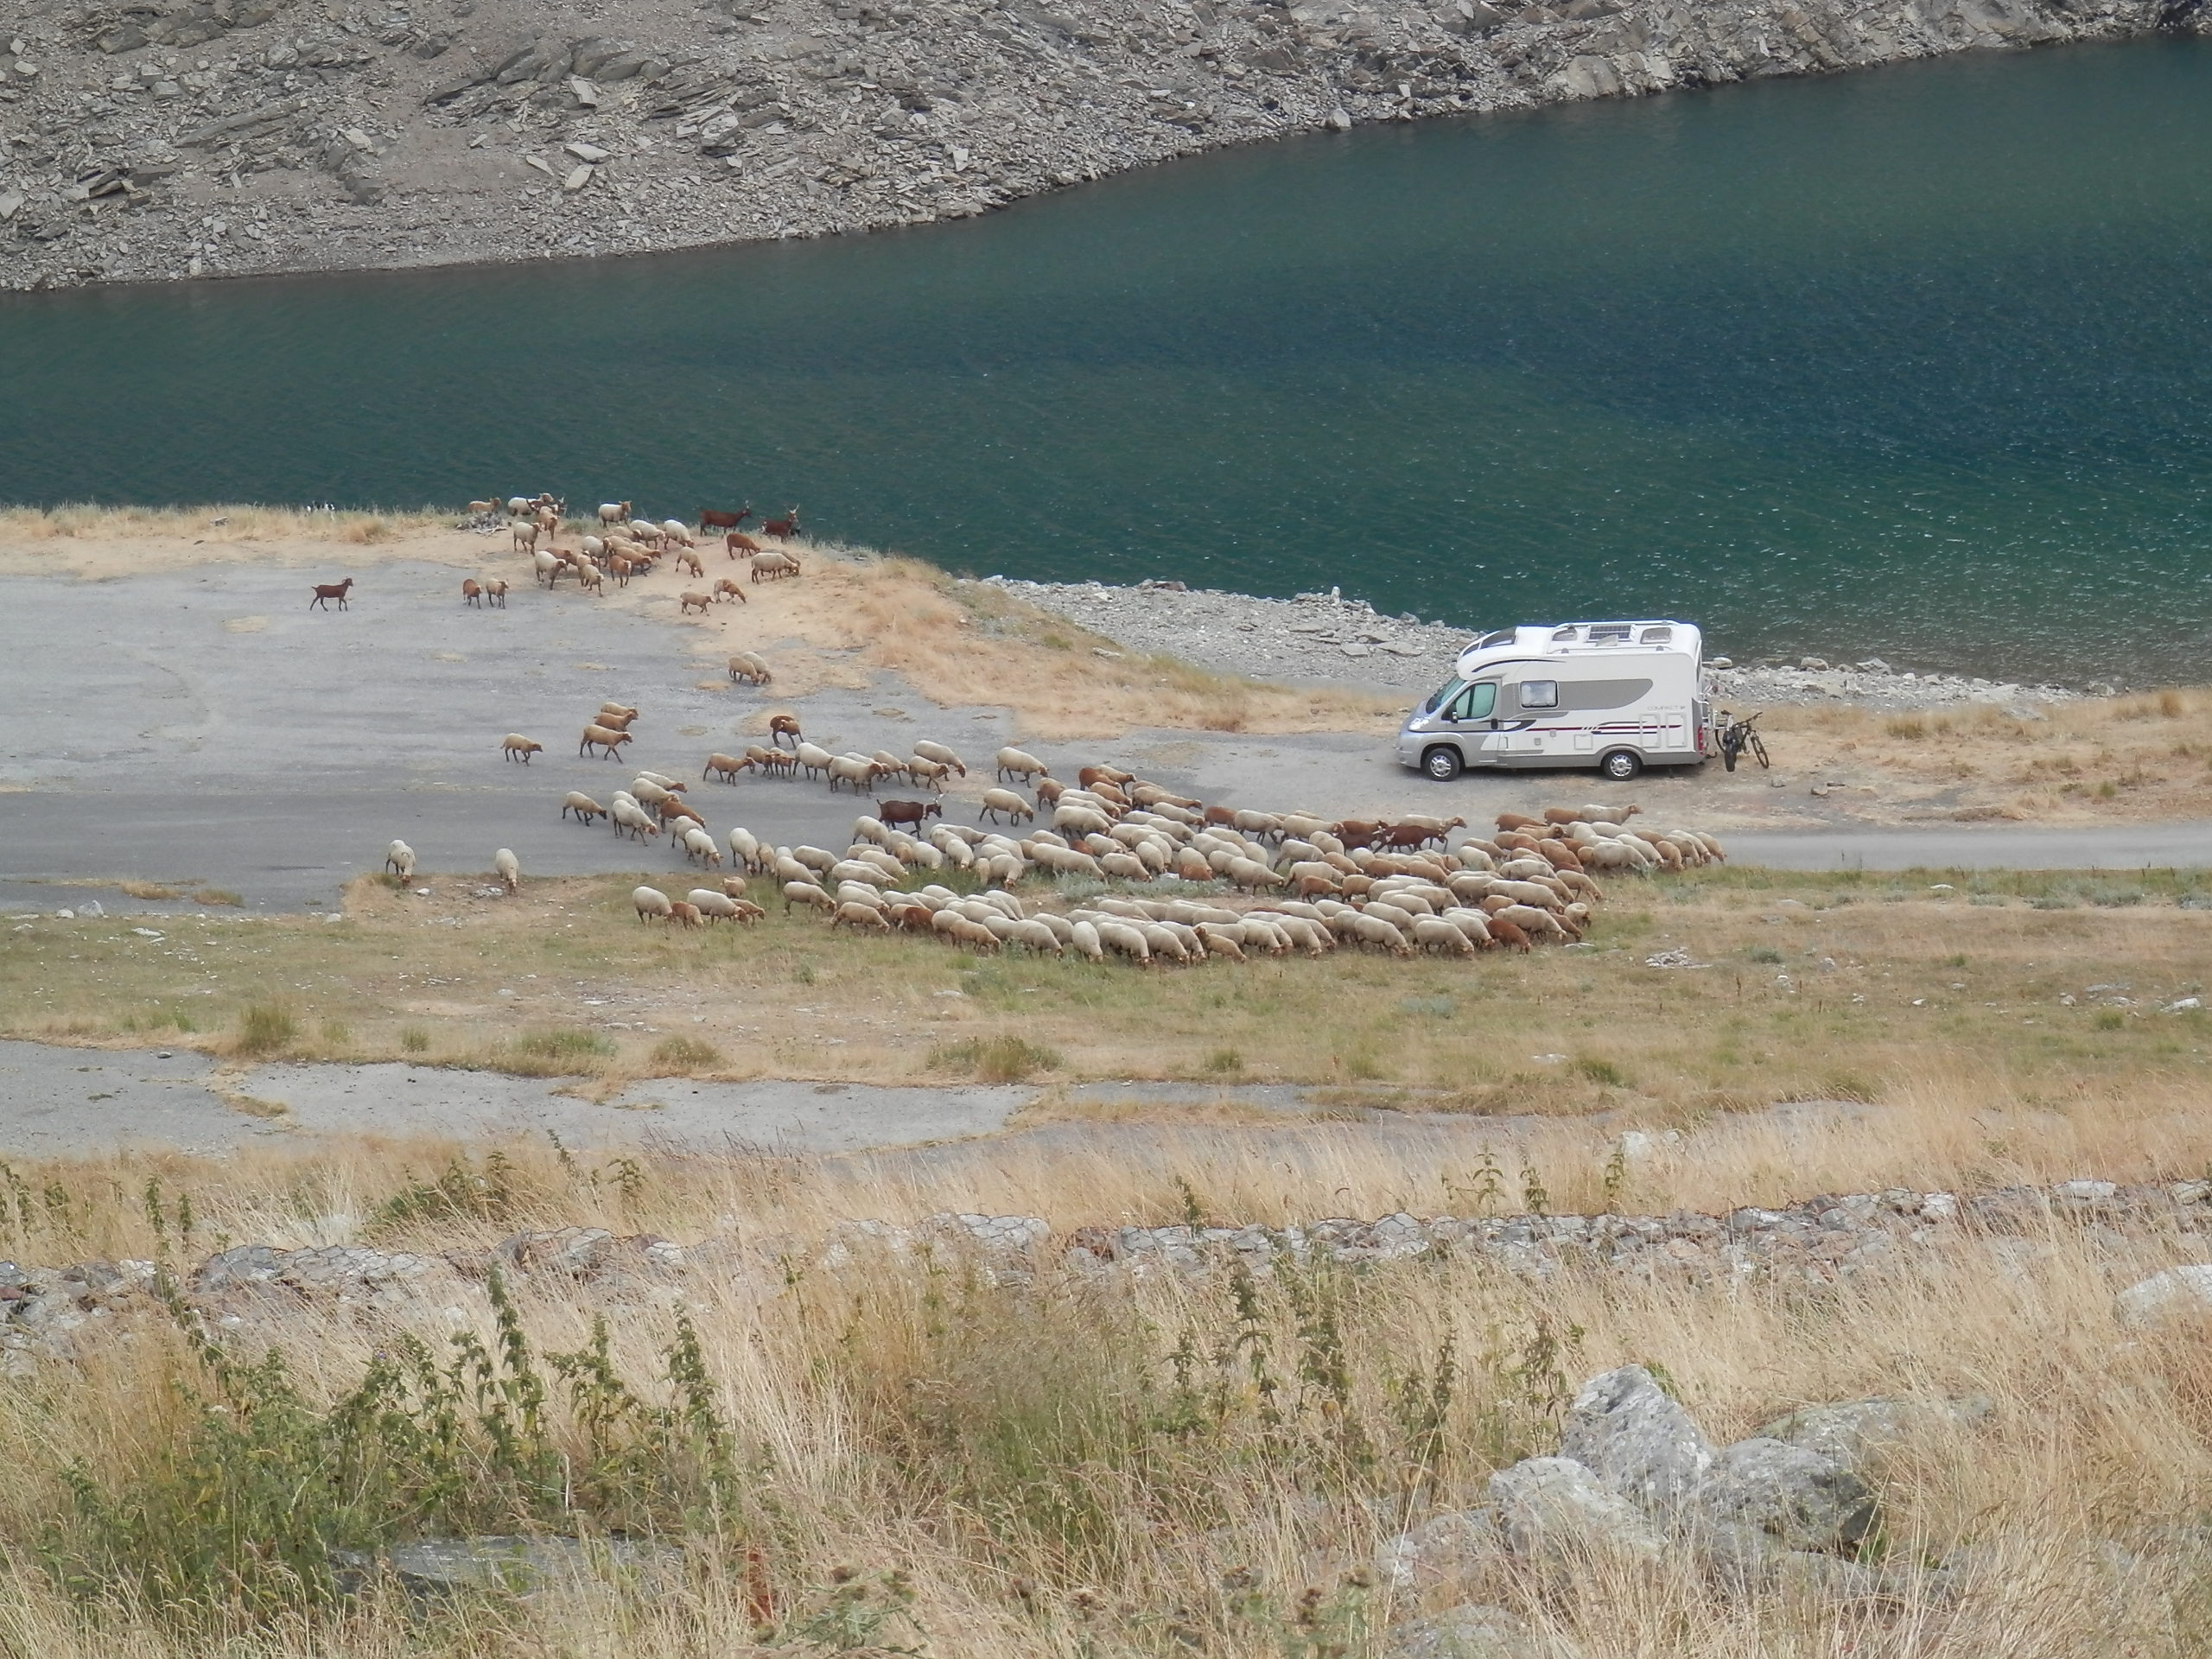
{"x":599,"y":737}
{"x":689,"y":602}
{"x":652,"y":903}
{"x":942,"y":756}
{"x":749,"y":668}
{"x":588,"y":579}
{"x":399,"y":859}
{"x":1006,"y":801}
{"x":496,"y":591}
{"x":515,"y":746}
{"x":509,"y":868}
{"x":1014,"y":763}
{"x":684,"y":911}
{"x":725,"y":588}
{"x":472,"y":592}
{"x":582,"y":805}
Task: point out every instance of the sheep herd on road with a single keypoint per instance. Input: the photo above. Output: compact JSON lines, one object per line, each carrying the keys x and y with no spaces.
{"x":1291,"y":881}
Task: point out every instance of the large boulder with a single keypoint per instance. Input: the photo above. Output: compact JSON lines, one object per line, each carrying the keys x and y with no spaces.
{"x":1625,"y":1429}
{"x":1859,"y":1434}
{"x":1785,"y":1497}
{"x":1556,"y":1515}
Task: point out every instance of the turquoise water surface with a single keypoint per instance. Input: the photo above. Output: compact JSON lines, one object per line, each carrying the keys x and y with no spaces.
{"x":1915,"y":362}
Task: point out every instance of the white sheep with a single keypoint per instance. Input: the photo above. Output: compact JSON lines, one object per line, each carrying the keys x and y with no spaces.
{"x":653,"y":905}
{"x":745,"y":849}
{"x":509,"y":868}
{"x":942,"y":756}
{"x":1006,"y":801}
{"x":611,"y":512}
{"x":582,"y":805}
{"x":399,"y":859}
{"x":1014,"y":763}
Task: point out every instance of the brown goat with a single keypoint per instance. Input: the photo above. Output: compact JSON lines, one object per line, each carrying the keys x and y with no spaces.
{"x":333,"y":590}
{"x":907,"y":812}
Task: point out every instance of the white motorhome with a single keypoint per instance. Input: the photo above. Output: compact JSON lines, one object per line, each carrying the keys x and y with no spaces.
{"x":1616,"y":696}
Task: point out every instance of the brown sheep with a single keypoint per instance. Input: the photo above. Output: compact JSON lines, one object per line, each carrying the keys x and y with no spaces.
{"x":471,"y":593}
{"x":1509,"y":935}
{"x":725,"y":767}
{"x":688,"y":560}
{"x":859,"y":915}
{"x":733,"y":543}
{"x":496,"y":591}
{"x":679,"y":911}
{"x":598,"y":737}
{"x":515,"y":746}
{"x":783,"y":725}
{"x":689,"y":602}
{"x":725,"y":588}
{"x":621,"y":709}
{"x":1517,"y":821}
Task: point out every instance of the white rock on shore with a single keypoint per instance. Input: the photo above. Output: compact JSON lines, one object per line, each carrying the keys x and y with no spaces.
{"x":1325,"y":639}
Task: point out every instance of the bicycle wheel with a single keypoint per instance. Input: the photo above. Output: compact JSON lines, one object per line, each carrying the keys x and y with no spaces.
{"x":1758,"y":752}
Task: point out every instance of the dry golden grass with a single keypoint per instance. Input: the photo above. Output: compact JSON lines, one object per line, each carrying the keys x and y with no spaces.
{"x":971,"y":643}
{"x":2135,"y":757}
{"x":103,"y":543}
{"x":1064,"y":1468}
{"x":1828,"y":985}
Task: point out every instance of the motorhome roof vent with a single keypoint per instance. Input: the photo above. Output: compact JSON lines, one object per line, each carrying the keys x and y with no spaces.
{"x":1565,"y":636}
{"x":1657,"y":637}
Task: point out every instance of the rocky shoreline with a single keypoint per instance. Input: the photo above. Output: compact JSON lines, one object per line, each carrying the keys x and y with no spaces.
{"x":152,"y":140}
{"x":1325,"y":639}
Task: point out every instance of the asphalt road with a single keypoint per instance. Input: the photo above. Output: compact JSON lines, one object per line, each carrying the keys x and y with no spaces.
{"x":206,"y":727}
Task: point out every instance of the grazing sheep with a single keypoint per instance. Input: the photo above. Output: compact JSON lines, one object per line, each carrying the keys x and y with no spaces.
{"x":1014,"y":763}
{"x":746,"y":665}
{"x":399,"y":859}
{"x":713,"y":907}
{"x":725,"y":588}
{"x":684,"y":911}
{"x":805,"y":892}
{"x":1004,"y":800}
{"x":698,"y":844}
{"x":859,"y":915}
{"x":599,"y":737}
{"x":773,"y":566}
{"x":1433,"y":933}
{"x":689,"y":562}
{"x":677,"y":530}
{"x":583,"y":806}
{"x":509,"y":868}
{"x":734,"y":886}
{"x":652,"y":903}
{"x":515,"y":746}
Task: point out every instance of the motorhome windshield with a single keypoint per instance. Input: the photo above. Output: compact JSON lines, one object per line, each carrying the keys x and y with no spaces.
{"x":1442,"y":694}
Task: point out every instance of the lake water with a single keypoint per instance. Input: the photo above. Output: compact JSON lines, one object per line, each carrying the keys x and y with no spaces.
{"x":1915,"y":361}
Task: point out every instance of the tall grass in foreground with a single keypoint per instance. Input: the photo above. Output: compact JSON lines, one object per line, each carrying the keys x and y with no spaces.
{"x":903,"y":1452}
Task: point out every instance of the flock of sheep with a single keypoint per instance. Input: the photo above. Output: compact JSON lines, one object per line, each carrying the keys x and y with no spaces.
{"x":1297,"y":882}
{"x":627,"y":547}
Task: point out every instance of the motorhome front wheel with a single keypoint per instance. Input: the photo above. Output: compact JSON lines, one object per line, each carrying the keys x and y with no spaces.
{"x":1443,"y":764}
{"x":1621,"y":765}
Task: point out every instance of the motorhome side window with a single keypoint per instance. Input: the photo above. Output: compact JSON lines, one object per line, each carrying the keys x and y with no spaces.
{"x":1475,"y":702}
{"x":1540,"y":694}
